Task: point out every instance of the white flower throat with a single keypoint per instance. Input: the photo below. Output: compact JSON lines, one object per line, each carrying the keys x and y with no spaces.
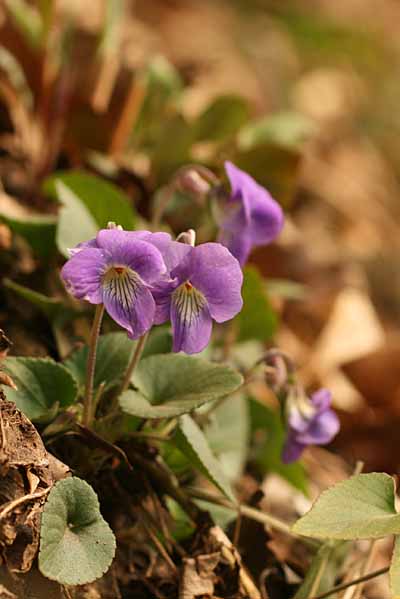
{"x":189,"y":301}
{"x":121,"y":283}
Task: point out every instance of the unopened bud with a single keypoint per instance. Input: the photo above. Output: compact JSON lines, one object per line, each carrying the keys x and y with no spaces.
{"x":188,"y":237}
{"x":192,"y":182}
{"x":278,"y":370}
{"x":112,"y":225}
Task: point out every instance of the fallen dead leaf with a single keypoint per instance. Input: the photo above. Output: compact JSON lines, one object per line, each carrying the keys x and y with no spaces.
{"x":352,"y":331}
{"x":198,"y":577}
{"x":26,"y":478}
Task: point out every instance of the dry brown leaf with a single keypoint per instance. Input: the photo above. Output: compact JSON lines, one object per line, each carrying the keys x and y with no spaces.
{"x":352,"y":331}
{"x":375,"y":375}
{"x":5,"y":344}
{"x":23,"y":457}
{"x":5,"y":379}
{"x":230,"y":555}
{"x":198,"y":578}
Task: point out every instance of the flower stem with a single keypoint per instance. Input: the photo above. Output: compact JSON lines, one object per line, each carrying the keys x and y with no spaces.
{"x":245,"y":510}
{"x":91,"y":363}
{"x":133,"y":363}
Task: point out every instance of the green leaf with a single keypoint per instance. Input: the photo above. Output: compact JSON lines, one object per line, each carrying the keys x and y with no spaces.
{"x":191,"y":441}
{"x":114,"y":352}
{"x":163,"y":89}
{"x":269,"y":437}
{"x":361,"y":507}
{"x":43,"y":386}
{"x":394,"y":573}
{"x":228,"y":434}
{"x":49,"y":306}
{"x":75,"y":223}
{"x":274,"y":167}
{"x":38,"y":229}
{"x":166,"y":156}
{"x":77,"y":545}
{"x":169,"y":385}
{"x":104,"y":200}
{"x":159,"y":342}
{"x":289,"y":129}
{"x":257,"y":320}
{"x":89,"y":203}
{"x":222,"y":118}
{"x":182,"y":525}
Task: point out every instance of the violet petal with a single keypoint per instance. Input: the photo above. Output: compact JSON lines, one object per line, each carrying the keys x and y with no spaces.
{"x":83,"y":273}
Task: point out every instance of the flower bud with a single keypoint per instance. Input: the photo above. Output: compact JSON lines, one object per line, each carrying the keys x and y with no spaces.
{"x":188,"y":237}
{"x":309,"y":421}
{"x":278,"y":371}
{"x":112,"y":225}
{"x":192,"y":182}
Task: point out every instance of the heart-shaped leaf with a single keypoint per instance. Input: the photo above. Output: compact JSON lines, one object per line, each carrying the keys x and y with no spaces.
{"x":75,"y":223}
{"x":191,"y":441}
{"x":114,"y":352}
{"x":76,"y":544}
{"x":169,"y":385}
{"x":104,"y":200}
{"x":43,"y":386}
{"x":361,"y":507}
{"x":88,"y":204}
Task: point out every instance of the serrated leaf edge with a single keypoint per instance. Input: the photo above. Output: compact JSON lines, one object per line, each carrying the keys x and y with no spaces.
{"x":326,"y":491}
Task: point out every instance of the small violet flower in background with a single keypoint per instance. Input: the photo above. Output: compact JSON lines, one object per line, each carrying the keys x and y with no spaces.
{"x":254,"y":217}
{"x":204,"y":285}
{"x":311,"y":421}
{"x":117,"y":268}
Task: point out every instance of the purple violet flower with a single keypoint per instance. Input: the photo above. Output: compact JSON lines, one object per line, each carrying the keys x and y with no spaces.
{"x":204,"y":285}
{"x":310,"y":422}
{"x":254,"y":217}
{"x":117,"y":268}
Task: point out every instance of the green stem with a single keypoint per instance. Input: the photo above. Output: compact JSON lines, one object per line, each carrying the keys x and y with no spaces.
{"x":319,"y":574}
{"x":245,"y":510}
{"x":133,"y":363}
{"x":346,"y":585}
{"x":91,"y":363}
